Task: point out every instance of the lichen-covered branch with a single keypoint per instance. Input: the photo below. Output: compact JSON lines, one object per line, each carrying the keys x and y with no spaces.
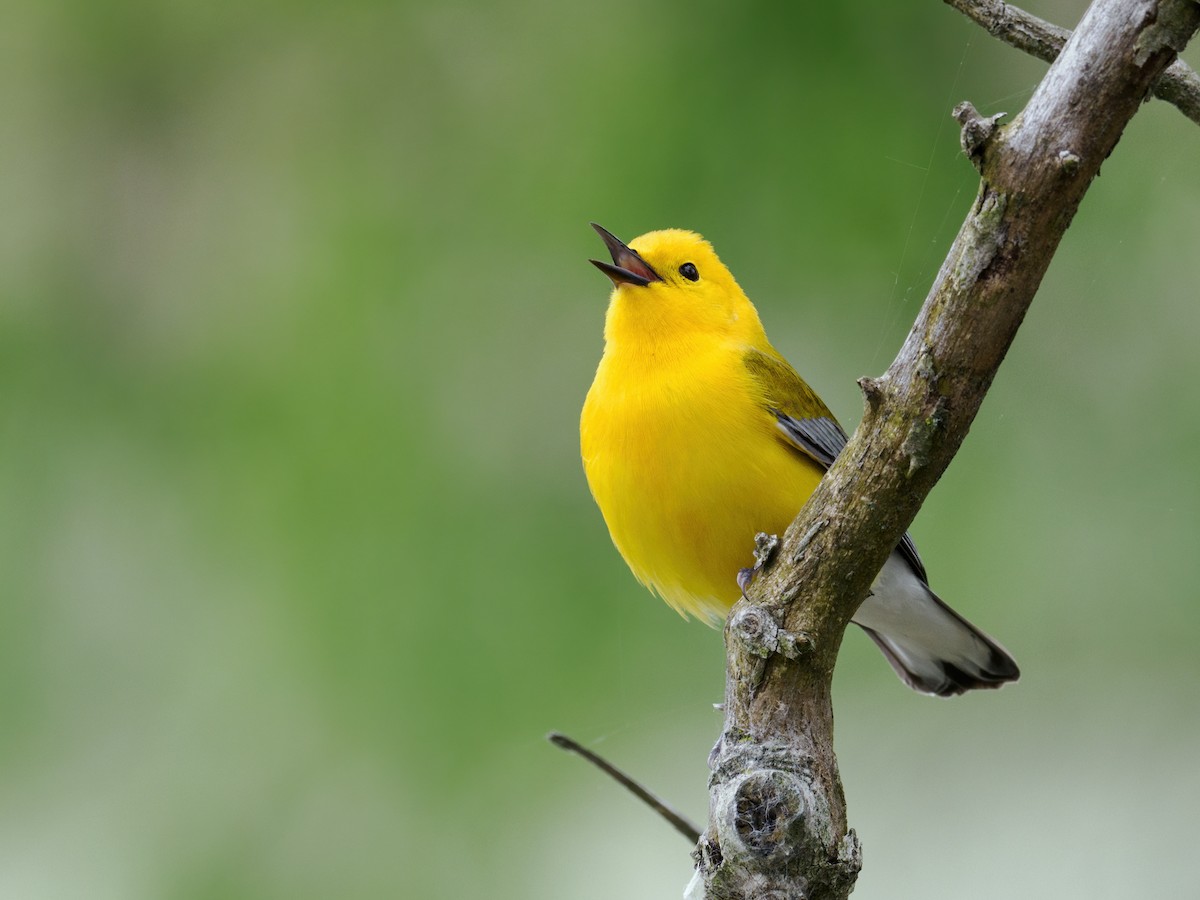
{"x":777,"y":818}
{"x":1179,"y":85}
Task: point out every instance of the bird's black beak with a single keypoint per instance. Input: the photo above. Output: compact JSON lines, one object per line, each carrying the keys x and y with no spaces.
{"x":627,"y":267}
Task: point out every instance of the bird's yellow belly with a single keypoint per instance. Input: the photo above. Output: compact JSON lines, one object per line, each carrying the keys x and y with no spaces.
{"x":685,"y":480}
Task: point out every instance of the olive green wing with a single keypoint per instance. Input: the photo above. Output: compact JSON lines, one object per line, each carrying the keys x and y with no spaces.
{"x":804,"y":420}
{"x":807,"y":425}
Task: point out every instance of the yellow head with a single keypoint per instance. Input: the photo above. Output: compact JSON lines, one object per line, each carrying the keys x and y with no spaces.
{"x":669,"y":287}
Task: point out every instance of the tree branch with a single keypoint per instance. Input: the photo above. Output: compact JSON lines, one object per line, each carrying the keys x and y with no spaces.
{"x":677,"y":820}
{"x":1179,"y":85}
{"x":777,"y":818}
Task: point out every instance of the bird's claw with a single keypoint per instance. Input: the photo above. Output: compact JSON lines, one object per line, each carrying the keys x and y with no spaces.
{"x":765,"y":546}
{"x":744,"y":577}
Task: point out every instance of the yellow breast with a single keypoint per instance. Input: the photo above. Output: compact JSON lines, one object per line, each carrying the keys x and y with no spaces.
{"x":687,"y":465}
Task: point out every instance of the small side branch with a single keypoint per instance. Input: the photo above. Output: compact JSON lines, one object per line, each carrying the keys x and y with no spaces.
{"x":678,"y":821}
{"x":1179,"y":85}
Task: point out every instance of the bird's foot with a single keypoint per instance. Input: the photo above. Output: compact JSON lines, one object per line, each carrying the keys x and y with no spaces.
{"x":744,"y":578}
{"x":765,"y":546}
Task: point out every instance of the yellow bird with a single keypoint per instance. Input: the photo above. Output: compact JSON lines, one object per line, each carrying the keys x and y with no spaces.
{"x":696,"y":435}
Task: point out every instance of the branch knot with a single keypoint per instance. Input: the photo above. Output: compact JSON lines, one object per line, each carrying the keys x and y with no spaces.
{"x":756,"y":629}
{"x":762,"y":809}
{"x":761,"y":635}
{"x":1068,"y":161}
{"x":771,"y":821}
{"x":977,"y":131}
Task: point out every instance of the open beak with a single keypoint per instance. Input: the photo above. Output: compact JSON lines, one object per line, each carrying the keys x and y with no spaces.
{"x":627,"y":267}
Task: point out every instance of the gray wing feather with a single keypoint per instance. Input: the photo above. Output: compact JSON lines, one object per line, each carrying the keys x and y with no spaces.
{"x":822,"y":439}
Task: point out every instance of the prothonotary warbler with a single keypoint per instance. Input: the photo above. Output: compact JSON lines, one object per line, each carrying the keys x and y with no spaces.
{"x":696,"y":434}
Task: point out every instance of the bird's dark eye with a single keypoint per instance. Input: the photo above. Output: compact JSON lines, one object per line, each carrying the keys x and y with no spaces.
{"x":688,"y":271}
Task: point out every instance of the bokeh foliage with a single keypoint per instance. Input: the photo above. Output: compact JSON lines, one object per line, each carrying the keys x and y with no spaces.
{"x":296,"y":557}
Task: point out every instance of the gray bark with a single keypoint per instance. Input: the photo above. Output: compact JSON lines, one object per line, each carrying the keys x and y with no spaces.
{"x":777,"y":815}
{"x":1178,"y":84}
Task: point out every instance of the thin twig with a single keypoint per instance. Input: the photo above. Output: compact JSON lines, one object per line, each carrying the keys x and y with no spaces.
{"x":682,"y":825}
{"x":1179,"y":85}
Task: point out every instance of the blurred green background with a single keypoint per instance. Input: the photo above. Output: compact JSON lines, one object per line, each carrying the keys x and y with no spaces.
{"x":297,"y":560}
